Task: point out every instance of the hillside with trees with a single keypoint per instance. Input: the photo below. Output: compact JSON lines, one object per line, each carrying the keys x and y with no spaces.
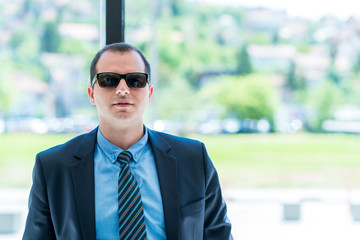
{"x":210,"y":61}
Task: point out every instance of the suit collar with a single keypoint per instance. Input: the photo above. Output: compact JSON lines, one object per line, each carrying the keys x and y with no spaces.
{"x":83,"y":181}
{"x":166,"y":165}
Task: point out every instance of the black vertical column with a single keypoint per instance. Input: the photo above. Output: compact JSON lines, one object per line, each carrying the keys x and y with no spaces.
{"x":115,"y":21}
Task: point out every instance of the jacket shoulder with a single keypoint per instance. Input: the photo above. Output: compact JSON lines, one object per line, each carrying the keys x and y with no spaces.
{"x":169,"y":138}
{"x":178,"y":146}
{"x":82,"y":143}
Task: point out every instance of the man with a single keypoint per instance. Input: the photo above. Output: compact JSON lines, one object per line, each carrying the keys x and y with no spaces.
{"x":78,"y":190}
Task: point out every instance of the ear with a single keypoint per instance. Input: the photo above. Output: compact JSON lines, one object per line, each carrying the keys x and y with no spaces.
{"x":151,"y":90}
{"x":91,"y":95}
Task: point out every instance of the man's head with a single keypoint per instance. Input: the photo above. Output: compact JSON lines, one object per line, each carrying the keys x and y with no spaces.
{"x":119,"y":99}
{"x":117,"y":47}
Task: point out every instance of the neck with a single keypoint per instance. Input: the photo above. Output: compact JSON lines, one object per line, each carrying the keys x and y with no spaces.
{"x":123,"y":138}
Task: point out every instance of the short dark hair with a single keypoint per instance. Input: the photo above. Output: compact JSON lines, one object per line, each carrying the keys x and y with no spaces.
{"x":118,"y":47}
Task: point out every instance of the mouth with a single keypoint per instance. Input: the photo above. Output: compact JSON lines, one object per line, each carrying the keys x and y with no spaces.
{"x":123,"y":103}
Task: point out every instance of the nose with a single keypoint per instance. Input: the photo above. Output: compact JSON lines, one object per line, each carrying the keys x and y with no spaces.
{"x":122,"y":88}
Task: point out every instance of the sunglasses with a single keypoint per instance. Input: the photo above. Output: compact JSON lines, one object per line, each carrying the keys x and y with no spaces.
{"x":112,"y":80}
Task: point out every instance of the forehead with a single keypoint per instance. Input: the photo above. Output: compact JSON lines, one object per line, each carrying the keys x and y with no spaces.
{"x":117,"y":61}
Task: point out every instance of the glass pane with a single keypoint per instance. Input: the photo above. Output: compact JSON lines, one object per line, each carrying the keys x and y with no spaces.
{"x":272,"y":89}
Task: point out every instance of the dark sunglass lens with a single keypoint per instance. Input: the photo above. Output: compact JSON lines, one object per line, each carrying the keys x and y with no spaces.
{"x":136,"y":80}
{"x":108,"y":80}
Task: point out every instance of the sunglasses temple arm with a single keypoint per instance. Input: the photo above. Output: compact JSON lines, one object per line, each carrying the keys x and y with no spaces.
{"x":93,"y":81}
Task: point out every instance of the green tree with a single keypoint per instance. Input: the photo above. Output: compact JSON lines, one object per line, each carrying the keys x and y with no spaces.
{"x":324,"y":99}
{"x":244,"y":63}
{"x":176,"y":7}
{"x":293,"y":81}
{"x":252,"y":96}
{"x":275,"y":37}
{"x":50,"y":39}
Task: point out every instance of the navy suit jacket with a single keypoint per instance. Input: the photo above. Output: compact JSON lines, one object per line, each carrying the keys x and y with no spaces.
{"x":62,"y":205}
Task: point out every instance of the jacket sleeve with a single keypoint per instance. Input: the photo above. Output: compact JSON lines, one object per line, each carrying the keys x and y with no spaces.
{"x":38,"y":224}
{"x":216,"y":223}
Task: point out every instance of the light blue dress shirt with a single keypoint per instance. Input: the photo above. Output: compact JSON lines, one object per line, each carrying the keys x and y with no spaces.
{"x":106,"y":182}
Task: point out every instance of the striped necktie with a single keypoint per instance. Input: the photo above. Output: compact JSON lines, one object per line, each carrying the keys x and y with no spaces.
{"x":131,"y":214}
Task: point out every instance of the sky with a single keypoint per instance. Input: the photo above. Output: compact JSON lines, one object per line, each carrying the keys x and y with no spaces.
{"x":313,"y":9}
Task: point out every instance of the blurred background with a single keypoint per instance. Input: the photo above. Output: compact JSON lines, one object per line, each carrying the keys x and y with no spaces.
{"x":272,"y":88}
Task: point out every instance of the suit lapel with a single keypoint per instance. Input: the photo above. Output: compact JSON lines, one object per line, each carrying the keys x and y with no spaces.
{"x":167,"y":172}
{"x":83,"y":181}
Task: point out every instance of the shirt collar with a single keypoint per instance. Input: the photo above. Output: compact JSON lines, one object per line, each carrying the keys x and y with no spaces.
{"x":112,"y":152}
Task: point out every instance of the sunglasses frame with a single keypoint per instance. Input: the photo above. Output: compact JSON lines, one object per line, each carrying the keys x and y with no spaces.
{"x":122,"y":76}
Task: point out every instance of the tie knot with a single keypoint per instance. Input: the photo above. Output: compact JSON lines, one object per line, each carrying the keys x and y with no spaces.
{"x":124,"y":157}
